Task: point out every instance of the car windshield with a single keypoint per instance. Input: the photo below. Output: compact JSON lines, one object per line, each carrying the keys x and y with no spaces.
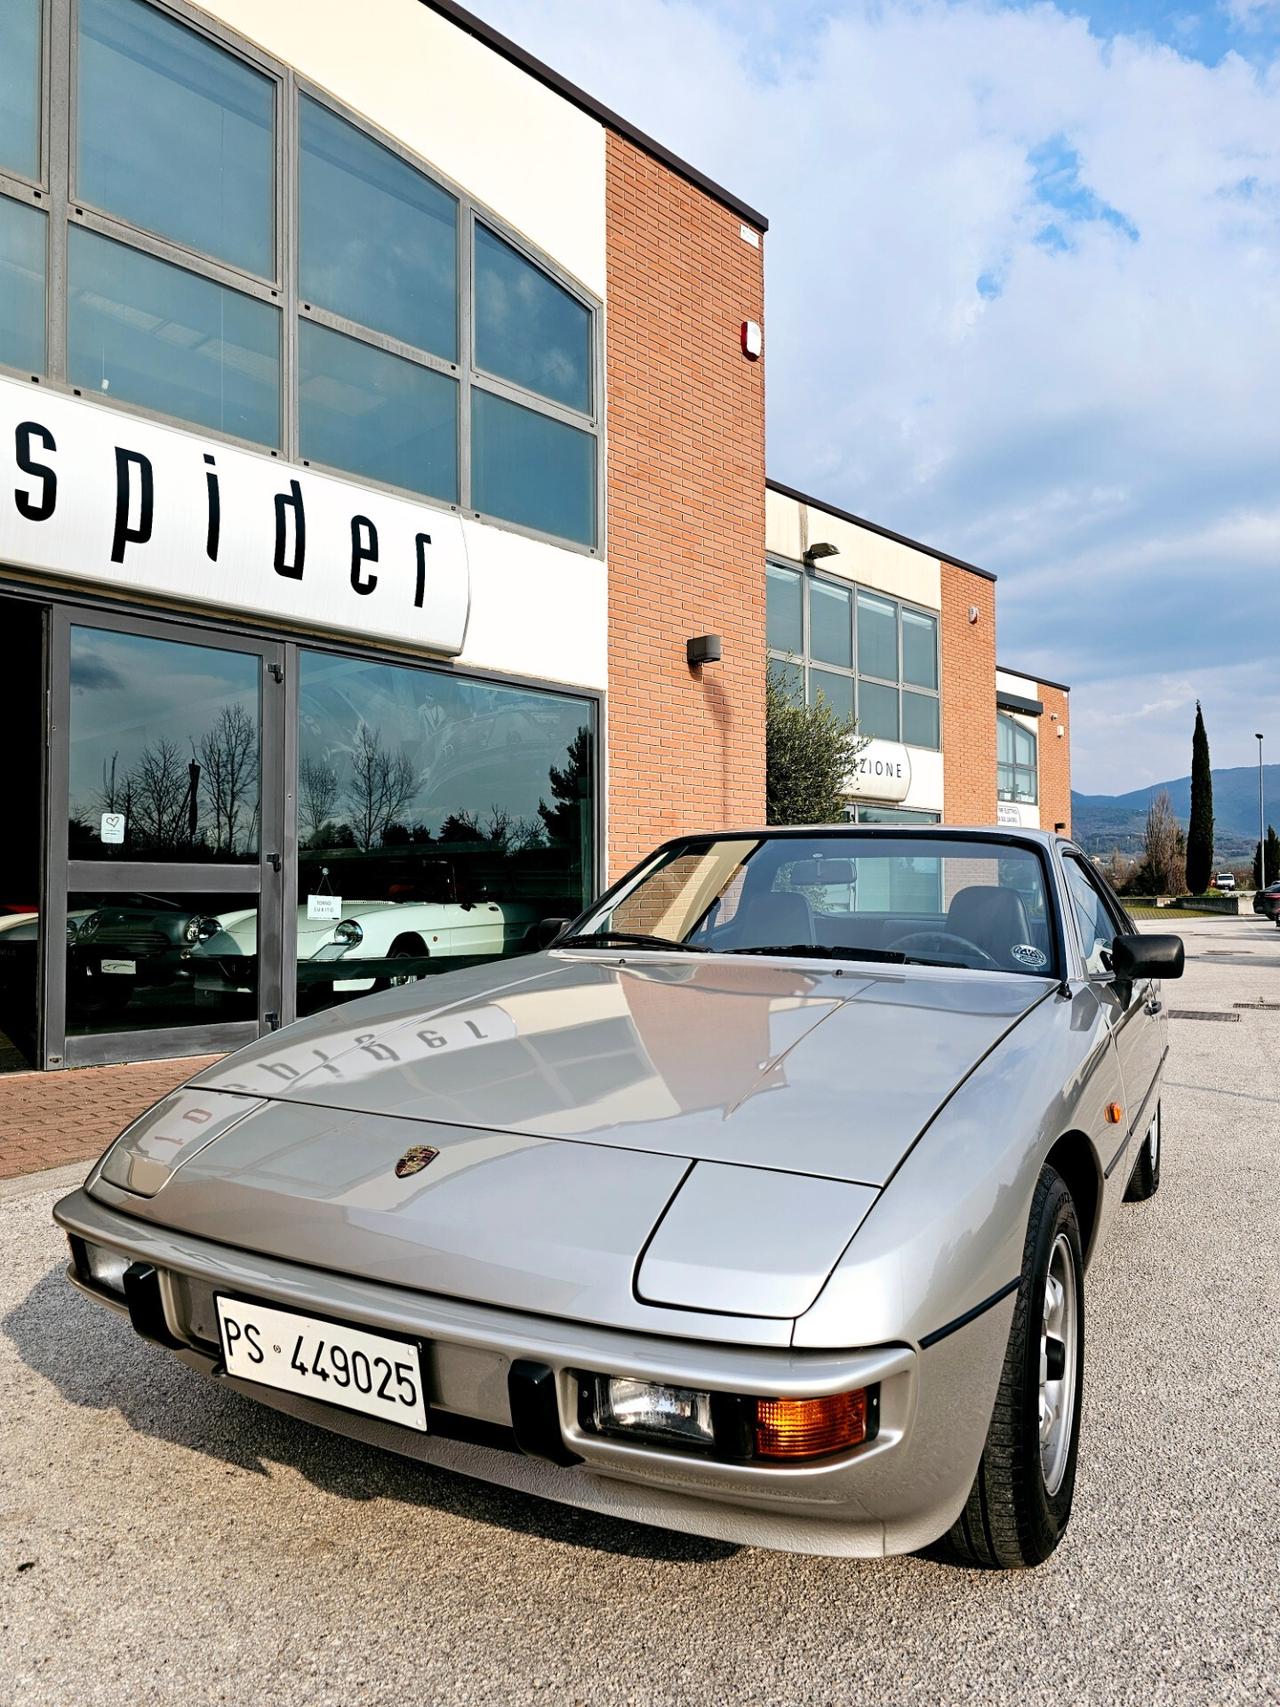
{"x":907,"y":899}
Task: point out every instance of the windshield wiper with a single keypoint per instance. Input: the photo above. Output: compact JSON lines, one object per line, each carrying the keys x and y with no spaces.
{"x":820,"y":951}
{"x":627,"y":939}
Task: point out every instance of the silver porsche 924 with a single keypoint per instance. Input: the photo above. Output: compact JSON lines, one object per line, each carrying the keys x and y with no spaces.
{"x":758,"y":1204}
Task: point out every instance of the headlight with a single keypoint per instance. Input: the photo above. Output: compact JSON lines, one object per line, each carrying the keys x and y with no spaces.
{"x":90,"y":925}
{"x":652,"y":1411}
{"x":206,"y":928}
{"x":348,"y":931}
{"x":106,"y":1268}
{"x":731,"y":1426}
{"x":191,"y":930}
{"x":73,"y":930}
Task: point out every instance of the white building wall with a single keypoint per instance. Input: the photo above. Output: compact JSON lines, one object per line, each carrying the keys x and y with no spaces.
{"x":533,"y":157}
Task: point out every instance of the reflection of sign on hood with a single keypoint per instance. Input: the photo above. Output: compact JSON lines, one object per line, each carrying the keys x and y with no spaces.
{"x":881,"y":771}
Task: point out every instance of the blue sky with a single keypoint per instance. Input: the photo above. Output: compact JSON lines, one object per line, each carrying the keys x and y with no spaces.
{"x":1023,"y":303}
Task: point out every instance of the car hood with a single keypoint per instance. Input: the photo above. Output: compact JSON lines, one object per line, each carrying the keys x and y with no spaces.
{"x":830,"y":1071}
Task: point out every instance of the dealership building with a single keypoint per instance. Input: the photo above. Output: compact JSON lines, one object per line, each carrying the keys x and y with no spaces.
{"x":378,"y":430}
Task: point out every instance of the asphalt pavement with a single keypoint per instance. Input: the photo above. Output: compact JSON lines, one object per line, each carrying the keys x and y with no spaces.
{"x":164,"y":1541}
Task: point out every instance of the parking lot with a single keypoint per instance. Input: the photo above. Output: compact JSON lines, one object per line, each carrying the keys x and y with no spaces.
{"x":165,"y":1541}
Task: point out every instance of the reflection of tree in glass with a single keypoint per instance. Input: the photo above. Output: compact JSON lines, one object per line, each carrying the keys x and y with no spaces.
{"x":381,"y":786}
{"x":161,"y":785}
{"x":570,"y":791}
{"x":503,"y":831}
{"x":318,"y":789}
{"x":229,"y":757}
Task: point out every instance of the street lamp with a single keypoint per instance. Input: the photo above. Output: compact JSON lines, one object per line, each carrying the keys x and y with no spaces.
{"x":1262,"y":820}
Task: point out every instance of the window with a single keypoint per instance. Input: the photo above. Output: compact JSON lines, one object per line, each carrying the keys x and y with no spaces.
{"x":530,"y":330}
{"x":147,"y":332}
{"x":532,"y":469}
{"x":441,"y":817}
{"x":858,"y":649}
{"x":173,"y":135}
{"x":22,"y":273}
{"x":1093,"y":919}
{"x":376,"y":414}
{"x":378,"y":242}
{"x":419,"y":324}
{"x":20,"y":88}
{"x":1016,"y":774}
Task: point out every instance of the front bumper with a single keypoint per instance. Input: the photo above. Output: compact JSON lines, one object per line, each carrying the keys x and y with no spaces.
{"x":896,"y":1493}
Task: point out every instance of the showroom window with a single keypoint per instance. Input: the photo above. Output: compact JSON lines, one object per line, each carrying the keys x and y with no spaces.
{"x":864,"y":653}
{"x":1016,"y":775}
{"x":439,"y":819}
{"x":429,"y":351}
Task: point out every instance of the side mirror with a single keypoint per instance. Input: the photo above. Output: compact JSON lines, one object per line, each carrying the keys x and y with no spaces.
{"x":545,"y":932}
{"x":1136,"y":956}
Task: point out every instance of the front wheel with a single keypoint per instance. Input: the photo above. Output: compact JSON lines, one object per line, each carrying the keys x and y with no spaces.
{"x":1144,"y":1181}
{"x":1020,"y":1502}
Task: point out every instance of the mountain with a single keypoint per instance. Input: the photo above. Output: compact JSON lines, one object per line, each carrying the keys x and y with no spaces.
{"x":1103,"y":821}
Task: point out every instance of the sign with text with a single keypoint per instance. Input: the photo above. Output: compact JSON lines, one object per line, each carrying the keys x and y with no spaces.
{"x":881,"y":771}
{"x":92,"y":494}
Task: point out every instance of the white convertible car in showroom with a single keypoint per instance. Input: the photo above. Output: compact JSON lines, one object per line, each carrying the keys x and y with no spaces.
{"x":370,"y":943}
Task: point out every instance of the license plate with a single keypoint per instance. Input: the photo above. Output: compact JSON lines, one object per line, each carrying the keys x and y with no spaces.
{"x":329,"y":1361}
{"x":128,"y":967}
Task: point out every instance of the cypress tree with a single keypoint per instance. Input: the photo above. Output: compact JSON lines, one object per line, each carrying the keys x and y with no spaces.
{"x":1200,"y":828}
{"x":1273,"y":858}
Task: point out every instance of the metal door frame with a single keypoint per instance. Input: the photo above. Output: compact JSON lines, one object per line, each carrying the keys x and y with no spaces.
{"x":63,"y":875}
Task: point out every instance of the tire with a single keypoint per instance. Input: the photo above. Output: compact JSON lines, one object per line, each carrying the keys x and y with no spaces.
{"x":1144,"y":1181}
{"x":1020,"y":1502}
{"x":408,"y":947}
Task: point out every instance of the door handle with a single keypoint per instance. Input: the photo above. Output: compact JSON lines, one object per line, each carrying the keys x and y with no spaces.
{"x":273,"y":860}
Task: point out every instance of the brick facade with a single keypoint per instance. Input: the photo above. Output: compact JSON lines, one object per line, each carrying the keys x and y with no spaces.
{"x":1055,"y":758}
{"x":685,"y":509}
{"x":968,"y":697}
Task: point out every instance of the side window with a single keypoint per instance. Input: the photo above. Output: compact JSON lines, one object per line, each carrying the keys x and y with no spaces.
{"x":1094,"y":918}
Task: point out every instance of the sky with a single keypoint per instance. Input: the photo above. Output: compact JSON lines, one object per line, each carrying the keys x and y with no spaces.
{"x":1023,"y":304}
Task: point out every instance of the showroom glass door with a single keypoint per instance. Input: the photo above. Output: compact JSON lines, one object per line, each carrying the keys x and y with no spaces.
{"x":163,"y":901}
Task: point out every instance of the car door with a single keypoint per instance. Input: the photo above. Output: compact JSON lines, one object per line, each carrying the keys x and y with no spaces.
{"x":1138,"y":1025}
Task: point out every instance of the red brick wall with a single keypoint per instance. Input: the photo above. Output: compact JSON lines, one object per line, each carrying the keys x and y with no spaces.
{"x":1055,"y":759}
{"x":686,"y":510}
{"x":968,"y":698}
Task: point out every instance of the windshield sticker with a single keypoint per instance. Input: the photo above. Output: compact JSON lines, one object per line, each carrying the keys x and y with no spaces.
{"x":1027,"y":955}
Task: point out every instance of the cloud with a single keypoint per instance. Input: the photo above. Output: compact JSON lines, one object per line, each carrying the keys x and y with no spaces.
{"x":1023,"y":297}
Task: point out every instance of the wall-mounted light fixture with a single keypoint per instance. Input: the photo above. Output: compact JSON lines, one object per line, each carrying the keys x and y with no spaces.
{"x":822,"y":549}
{"x":752,"y":340}
{"x":702,"y":649}
{"x":973,"y":613}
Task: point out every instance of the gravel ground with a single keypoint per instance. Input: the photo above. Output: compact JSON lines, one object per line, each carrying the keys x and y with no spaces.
{"x":164,"y":1541}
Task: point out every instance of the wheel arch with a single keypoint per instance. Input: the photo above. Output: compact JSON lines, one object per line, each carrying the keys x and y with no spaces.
{"x":1073,"y":1157}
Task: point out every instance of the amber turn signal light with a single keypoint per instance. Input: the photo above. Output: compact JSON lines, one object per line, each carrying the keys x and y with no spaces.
{"x":1115,"y":1114}
{"x":810,"y":1428}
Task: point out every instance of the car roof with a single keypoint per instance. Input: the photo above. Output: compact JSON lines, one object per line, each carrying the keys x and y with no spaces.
{"x":1007,"y":833}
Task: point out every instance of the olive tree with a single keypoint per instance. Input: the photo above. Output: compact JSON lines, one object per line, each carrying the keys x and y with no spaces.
{"x":809,"y":753}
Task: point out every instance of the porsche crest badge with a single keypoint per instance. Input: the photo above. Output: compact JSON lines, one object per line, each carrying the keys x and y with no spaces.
{"x":414,"y":1160}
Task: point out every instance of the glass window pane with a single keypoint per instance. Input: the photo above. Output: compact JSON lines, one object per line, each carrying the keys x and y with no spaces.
{"x":877,"y":711}
{"x":783,"y":624}
{"x":150,"y":333}
{"x":1024,"y":745}
{"x":20,"y":87}
{"x":175,"y":134}
{"x":919,"y":649}
{"x":529,"y":329}
{"x":830,"y":625}
{"x":791,"y":676}
{"x":877,"y":637}
{"x":836,"y":690}
{"x":377,"y":414}
{"x":22,"y":274}
{"x":446,"y":816}
{"x":378,"y":241}
{"x":527,"y":468}
{"x":165,"y":746}
{"x":143,"y":962}
{"x":1004,"y":739}
{"x":919,"y":719}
